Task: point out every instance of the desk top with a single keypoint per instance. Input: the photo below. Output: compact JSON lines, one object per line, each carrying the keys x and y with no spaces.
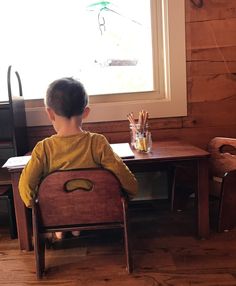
{"x":172,"y":150}
{"x":162,"y":151}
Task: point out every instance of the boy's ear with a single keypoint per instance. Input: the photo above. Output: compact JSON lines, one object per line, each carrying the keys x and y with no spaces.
{"x":50,"y":113}
{"x":86,"y":112}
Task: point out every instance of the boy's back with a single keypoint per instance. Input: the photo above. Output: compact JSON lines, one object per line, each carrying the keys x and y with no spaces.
{"x":83,"y":150}
{"x":71,"y":147}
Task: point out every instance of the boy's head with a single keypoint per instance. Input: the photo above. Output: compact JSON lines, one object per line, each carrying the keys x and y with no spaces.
{"x":66,"y":97}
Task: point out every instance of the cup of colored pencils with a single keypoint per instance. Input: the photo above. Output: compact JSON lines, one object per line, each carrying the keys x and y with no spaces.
{"x":140,"y":135}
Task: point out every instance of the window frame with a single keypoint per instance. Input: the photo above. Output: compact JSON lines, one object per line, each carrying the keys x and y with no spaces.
{"x":170,"y":54}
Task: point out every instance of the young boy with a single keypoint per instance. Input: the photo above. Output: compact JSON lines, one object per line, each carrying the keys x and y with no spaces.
{"x":66,"y":104}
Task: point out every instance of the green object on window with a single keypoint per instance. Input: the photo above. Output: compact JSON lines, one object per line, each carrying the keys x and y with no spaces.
{"x":100,"y":4}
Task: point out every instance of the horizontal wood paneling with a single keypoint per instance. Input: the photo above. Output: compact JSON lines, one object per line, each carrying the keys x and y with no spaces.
{"x":211,"y":10}
{"x":199,"y":136}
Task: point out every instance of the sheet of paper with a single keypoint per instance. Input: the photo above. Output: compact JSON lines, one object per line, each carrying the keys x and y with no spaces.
{"x":16,"y":162}
{"x":123,"y":150}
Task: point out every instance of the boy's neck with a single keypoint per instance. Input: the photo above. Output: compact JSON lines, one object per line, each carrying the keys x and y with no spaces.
{"x":69,"y":132}
{"x":68,"y":127}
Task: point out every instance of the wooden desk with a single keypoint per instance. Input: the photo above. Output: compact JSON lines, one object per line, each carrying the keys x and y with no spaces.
{"x":163,"y":153}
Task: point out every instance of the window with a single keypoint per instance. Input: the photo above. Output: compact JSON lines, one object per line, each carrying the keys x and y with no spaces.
{"x":126,"y":52}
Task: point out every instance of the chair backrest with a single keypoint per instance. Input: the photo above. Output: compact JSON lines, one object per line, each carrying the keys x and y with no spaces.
{"x":223,"y":155}
{"x":81,"y":196}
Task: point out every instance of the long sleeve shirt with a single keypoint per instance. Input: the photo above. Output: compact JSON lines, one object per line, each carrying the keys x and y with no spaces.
{"x":83,"y":150}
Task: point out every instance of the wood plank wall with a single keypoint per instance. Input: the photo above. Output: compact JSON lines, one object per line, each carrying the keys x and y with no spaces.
{"x":211,"y":82}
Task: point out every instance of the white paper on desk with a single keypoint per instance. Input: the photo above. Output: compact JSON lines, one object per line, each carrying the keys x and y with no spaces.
{"x":123,"y":150}
{"x":16,"y":162}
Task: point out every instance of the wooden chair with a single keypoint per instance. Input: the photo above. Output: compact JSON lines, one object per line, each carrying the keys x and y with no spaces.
{"x":13,"y":139}
{"x":17,"y":121}
{"x":223,"y":180}
{"x":81,"y":199}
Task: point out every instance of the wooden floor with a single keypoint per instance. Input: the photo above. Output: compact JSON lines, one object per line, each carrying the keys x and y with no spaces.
{"x":165,"y":252}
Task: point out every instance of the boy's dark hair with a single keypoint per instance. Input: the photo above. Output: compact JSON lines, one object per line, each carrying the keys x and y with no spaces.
{"x":67,"y":97}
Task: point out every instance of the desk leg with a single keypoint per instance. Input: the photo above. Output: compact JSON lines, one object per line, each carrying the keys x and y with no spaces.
{"x":22,"y":221}
{"x":202,"y":197}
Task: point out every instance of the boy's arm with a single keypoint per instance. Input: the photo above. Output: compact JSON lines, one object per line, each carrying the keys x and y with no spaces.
{"x":31,"y":175}
{"x":111,"y":161}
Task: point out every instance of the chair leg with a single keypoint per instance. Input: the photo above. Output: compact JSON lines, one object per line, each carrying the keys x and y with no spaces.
{"x":39,"y":251}
{"x":39,"y":245}
{"x":128,"y":251}
{"x":12,"y":218}
{"x":227,"y":210}
{"x":171,"y":186}
{"x":42,"y":254}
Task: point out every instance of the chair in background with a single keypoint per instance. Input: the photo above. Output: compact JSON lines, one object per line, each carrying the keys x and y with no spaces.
{"x":82,"y":199}
{"x":7,"y":196}
{"x":223,"y":180}
{"x":13,"y":138}
{"x":18,"y":126}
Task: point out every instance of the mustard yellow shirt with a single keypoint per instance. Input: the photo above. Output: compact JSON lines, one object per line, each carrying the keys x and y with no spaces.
{"x":84,"y":150}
